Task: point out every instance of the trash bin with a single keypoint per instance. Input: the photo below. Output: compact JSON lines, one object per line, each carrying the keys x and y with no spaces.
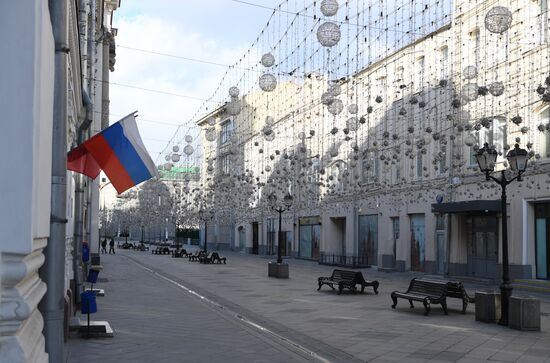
{"x":89,"y":305}
{"x":92,"y":276}
{"x":487,"y":306}
{"x":524,"y":313}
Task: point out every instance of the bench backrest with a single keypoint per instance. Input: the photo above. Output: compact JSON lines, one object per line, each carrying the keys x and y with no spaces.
{"x":428,"y":287}
{"x":344,"y":274}
{"x":215,"y":255}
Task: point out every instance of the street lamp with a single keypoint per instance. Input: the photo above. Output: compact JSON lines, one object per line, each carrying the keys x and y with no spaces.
{"x":517,"y":158}
{"x":281,"y":270}
{"x":205,"y":215}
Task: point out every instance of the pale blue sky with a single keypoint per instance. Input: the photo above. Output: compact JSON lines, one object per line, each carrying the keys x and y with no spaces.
{"x":212,"y":30}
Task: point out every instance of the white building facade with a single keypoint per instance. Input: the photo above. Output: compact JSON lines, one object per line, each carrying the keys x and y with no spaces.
{"x":390,"y":180}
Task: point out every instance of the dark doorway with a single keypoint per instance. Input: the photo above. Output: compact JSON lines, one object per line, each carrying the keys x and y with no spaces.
{"x":542,"y":240}
{"x":482,"y":234}
{"x":418,"y":242}
{"x":254,"y":238}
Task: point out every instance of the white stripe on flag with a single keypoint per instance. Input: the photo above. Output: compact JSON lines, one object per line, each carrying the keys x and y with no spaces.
{"x":129,"y":126}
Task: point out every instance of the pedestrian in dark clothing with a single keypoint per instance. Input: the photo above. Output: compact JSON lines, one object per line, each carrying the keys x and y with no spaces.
{"x":112,"y":246}
{"x":104,"y":246}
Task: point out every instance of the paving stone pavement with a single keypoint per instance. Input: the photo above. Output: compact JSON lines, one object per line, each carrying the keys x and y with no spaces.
{"x":172,"y":310}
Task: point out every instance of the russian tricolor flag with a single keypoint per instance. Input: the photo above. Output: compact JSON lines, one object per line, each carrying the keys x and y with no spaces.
{"x":119,"y":152}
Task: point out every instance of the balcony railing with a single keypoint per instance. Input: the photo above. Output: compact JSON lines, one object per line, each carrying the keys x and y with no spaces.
{"x":344,"y":261}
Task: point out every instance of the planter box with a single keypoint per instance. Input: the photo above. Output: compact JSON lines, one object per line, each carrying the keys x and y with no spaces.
{"x":524,"y":313}
{"x":487,"y":306}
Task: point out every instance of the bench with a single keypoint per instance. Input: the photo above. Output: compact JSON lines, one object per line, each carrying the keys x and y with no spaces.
{"x":179,"y":254}
{"x":346,"y":279}
{"x":205,"y":258}
{"x":426,"y":291}
{"x":195,"y":256}
{"x":217,"y":258}
{"x":456,"y":289}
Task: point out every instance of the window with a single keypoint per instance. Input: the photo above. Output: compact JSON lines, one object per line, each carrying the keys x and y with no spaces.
{"x":227,"y":131}
{"x":495,"y":135}
{"x":419,"y":164}
{"x":475,"y":41}
{"x":224,"y":165}
{"x":442,"y":158}
{"x":420,"y":75}
{"x":444,"y":62}
{"x":543,"y":147}
{"x":337,"y":173}
{"x":370,"y":166}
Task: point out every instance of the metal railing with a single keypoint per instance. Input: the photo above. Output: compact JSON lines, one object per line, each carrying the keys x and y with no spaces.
{"x":344,"y":261}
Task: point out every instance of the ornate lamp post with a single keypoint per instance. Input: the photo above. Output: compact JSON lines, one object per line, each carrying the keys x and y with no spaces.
{"x":517,"y":158}
{"x":279,"y":269}
{"x":205,"y":215}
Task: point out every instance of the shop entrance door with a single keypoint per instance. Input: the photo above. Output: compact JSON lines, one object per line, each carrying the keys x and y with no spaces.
{"x":255,"y":238}
{"x":482,"y":232}
{"x":418,"y":242}
{"x":542,"y":240}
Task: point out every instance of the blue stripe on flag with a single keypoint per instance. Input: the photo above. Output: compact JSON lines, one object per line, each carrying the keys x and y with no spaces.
{"x":126,"y":153}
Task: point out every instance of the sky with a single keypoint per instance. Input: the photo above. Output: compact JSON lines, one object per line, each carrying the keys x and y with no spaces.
{"x":216,"y":31}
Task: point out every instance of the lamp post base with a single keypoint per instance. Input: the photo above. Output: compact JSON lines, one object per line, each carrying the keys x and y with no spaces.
{"x":279,"y":270}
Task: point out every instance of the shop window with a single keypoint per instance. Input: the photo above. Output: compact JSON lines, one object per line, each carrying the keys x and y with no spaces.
{"x":226,"y":132}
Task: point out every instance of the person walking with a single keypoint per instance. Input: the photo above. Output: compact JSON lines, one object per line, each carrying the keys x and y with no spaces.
{"x":112,"y":246}
{"x":104,"y":246}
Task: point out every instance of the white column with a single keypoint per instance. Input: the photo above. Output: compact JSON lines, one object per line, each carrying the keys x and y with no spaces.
{"x":26,"y":101}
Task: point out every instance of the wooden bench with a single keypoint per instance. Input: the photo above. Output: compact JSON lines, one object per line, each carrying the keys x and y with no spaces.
{"x":456,"y":289}
{"x":195,"y":256}
{"x":205,"y":258}
{"x":346,"y":279}
{"x":217,"y":258}
{"x":179,"y":254}
{"x":426,"y":291}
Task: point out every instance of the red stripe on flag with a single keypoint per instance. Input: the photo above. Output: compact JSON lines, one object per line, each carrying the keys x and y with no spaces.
{"x":111,"y":165}
{"x":81,"y":161}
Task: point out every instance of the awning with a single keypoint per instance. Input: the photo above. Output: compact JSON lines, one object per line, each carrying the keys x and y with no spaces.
{"x":474,"y":206}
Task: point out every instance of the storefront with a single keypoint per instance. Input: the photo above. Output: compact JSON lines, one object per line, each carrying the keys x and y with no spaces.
{"x":309,"y":237}
{"x":368,"y":239}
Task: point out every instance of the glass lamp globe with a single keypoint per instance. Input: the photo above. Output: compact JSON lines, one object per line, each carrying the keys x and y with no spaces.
{"x":175,"y":148}
{"x":268,"y":60}
{"x":470,"y":72}
{"x":188,"y":150}
{"x":498,"y":19}
{"x":329,"y":7}
{"x":336,"y":107}
{"x":234,"y":107}
{"x":469,"y":92}
{"x":234,"y":91}
{"x":328,"y":34}
{"x":267,"y":82}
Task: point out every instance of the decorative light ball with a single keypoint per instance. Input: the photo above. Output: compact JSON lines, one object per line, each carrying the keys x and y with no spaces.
{"x":353,"y":108}
{"x":267,"y":82}
{"x":210,"y":134}
{"x":175,"y":148}
{"x":188,"y":150}
{"x":167,"y":158}
{"x":351,"y":123}
{"x":234,"y":107}
{"x":175,"y":158}
{"x":336,"y":107}
{"x":327,"y":98}
{"x":301,"y":135}
{"x":378,"y":99}
{"x":168,"y":166}
{"x":328,"y":34}
{"x":268,"y":60}
{"x":329,"y":7}
{"x":469,"y":91}
{"x":470,"y":140}
{"x":335,"y":90}
{"x":234,"y":91}
{"x":498,"y":20}
{"x":496,"y":88}
{"x":426,"y":139}
{"x":211,"y":121}
{"x":470,"y":72}
{"x":269,"y":136}
{"x":269,"y":121}
{"x":188,"y":139}
{"x":333,"y":151}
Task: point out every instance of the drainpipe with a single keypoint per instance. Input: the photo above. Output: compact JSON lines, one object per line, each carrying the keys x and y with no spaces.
{"x":53,"y":271}
{"x":79,"y":202}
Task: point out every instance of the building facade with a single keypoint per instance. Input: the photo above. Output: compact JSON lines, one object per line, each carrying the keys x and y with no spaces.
{"x":30,"y":76}
{"x":389,"y":179}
